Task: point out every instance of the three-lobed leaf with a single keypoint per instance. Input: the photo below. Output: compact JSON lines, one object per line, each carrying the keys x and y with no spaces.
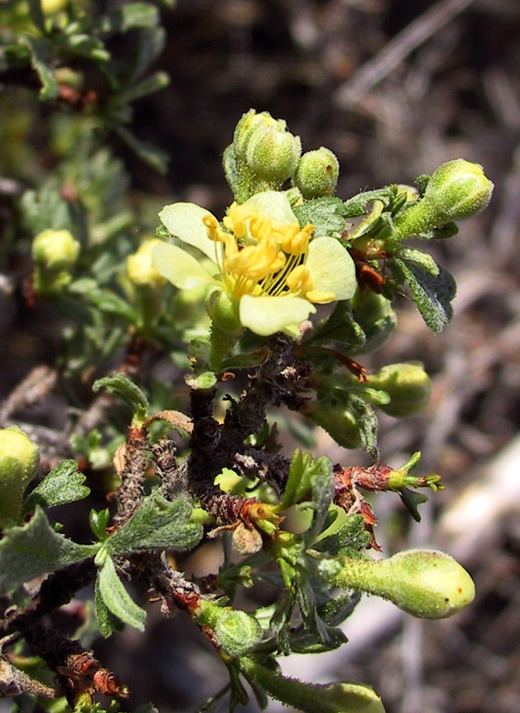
{"x":64,"y":484}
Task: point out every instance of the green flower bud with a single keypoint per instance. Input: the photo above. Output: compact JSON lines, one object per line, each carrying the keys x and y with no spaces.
{"x":339,"y":697}
{"x":223,"y":313}
{"x":18,"y":466}
{"x":317,"y":173}
{"x":246,"y":127}
{"x":51,"y":7}
{"x":425,"y":583}
{"x":273,"y":154}
{"x":376,"y":317}
{"x":456,"y":190}
{"x":55,"y":250}
{"x":408,"y":386}
{"x":139,"y":265}
{"x":236,"y":631}
{"x":338,"y":421}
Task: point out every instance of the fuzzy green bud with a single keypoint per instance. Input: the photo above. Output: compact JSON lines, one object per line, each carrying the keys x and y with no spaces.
{"x":317,"y":173}
{"x":341,"y":697}
{"x":55,"y":250}
{"x":236,"y":631}
{"x":51,"y":7}
{"x":247,"y":125}
{"x":273,"y":154}
{"x":139,"y":267}
{"x":456,"y":190}
{"x":375,"y":316}
{"x":18,"y":466}
{"x":338,"y":421}
{"x":425,"y":583}
{"x":408,"y":386}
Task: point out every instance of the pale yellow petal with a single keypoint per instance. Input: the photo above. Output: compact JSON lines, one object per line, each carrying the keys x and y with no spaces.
{"x":331,"y":268}
{"x":272,"y":204}
{"x":184,"y":221}
{"x":267,"y":315}
{"x":179,"y":267}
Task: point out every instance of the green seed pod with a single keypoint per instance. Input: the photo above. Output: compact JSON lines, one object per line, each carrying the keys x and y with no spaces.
{"x":236,"y":631}
{"x":18,"y":466}
{"x":408,"y":386}
{"x":338,"y":421}
{"x":425,"y":583}
{"x":273,"y":154}
{"x":376,"y":317}
{"x":55,"y":250}
{"x":456,"y":190}
{"x":317,"y":173}
{"x":139,"y":267}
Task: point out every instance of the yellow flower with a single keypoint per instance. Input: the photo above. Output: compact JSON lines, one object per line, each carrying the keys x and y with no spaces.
{"x":272,"y":270}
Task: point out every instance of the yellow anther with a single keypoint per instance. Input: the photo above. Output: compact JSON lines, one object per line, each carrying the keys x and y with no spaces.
{"x":212,"y":227}
{"x":320,"y":298}
{"x":299,"y":280}
{"x":279,"y":262}
{"x":253,"y":262}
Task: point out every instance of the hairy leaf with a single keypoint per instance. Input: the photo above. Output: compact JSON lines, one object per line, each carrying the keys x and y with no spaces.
{"x":122,"y":386}
{"x":431,"y":293}
{"x":117,"y":599}
{"x":36,"y":549}
{"x":157,"y":524}
{"x":327,"y":214}
{"x":41,"y":59}
{"x":64,"y":484}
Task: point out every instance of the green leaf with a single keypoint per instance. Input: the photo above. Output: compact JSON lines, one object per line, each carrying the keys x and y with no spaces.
{"x":360,"y":204}
{"x":157,"y":524}
{"x":420,"y":258}
{"x":35,"y":9}
{"x":130,"y":16}
{"x":327,"y":214}
{"x":105,"y":300}
{"x":151,"y":155}
{"x":116,"y":598}
{"x":106,"y":621}
{"x":340,"y":327}
{"x":431,"y":293}
{"x":348,"y":536}
{"x":64,"y":484}
{"x":120,"y":385}
{"x":366,"y":422}
{"x":411,"y":500}
{"x":41,"y":58}
{"x":322,"y":493}
{"x":155,"y":83}
{"x":36,"y":549}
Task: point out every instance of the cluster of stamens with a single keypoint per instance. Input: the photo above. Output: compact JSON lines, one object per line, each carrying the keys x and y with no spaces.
{"x":260,"y":256}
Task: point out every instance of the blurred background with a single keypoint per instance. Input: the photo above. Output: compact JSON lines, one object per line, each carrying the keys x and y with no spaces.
{"x":394,"y":88}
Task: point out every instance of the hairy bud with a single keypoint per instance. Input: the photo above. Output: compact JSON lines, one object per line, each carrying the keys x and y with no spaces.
{"x":236,"y":631}
{"x":139,"y":265}
{"x":408,"y":386}
{"x":18,"y":465}
{"x":55,"y":250}
{"x":425,"y":583}
{"x":317,"y":173}
{"x":456,"y":190}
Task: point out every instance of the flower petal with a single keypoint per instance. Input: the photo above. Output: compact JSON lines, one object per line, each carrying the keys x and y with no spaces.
{"x":184,"y":221}
{"x":331,"y":268}
{"x":179,"y":267}
{"x":267,"y":315}
{"x":274,"y":205}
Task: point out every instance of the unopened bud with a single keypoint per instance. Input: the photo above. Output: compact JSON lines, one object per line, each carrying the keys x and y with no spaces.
{"x":374,"y":314}
{"x":55,"y":250}
{"x":139,"y":265}
{"x":247,"y":125}
{"x":317,"y":173}
{"x":235,"y":631}
{"x":408,"y":386}
{"x":425,"y":583}
{"x":273,"y":154}
{"x":338,"y":421}
{"x":18,"y":466}
{"x":456,"y":190}
{"x":51,"y":7}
